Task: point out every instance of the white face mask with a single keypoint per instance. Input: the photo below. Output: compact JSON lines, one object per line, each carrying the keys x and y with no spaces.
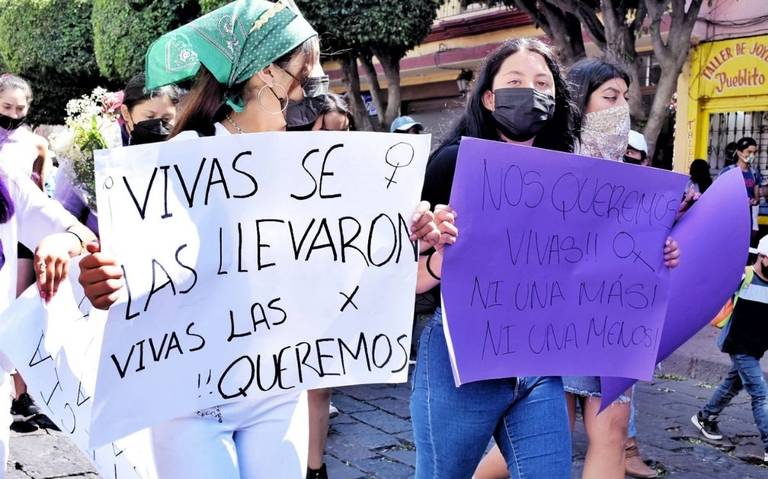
{"x":749,"y":159}
{"x":605,"y":133}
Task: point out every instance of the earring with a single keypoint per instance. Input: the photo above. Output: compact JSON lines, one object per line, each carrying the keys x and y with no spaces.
{"x":283,"y":103}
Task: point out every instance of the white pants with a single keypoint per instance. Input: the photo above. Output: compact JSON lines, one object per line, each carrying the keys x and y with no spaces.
{"x":261,"y":438}
{"x":6,"y":393}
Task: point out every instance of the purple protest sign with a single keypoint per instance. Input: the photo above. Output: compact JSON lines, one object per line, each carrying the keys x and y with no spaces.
{"x":714,"y":241}
{"x":558,"y":269}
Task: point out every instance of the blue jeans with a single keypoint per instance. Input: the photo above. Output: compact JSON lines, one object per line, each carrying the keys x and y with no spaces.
{"x":452,"y":426}
{"x":632,"y":427}
{"x":744,"y":374}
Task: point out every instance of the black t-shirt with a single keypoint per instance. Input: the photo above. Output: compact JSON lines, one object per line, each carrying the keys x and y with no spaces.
{"x":438,"y":178}
{"x":438,"y":181}
{"x":748,"y":332}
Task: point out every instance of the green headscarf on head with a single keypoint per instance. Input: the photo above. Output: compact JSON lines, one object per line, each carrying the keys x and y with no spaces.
{"x":233,"y":43}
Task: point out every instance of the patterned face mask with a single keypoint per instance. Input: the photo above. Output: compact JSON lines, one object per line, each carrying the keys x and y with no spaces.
{"x":605,"y":133}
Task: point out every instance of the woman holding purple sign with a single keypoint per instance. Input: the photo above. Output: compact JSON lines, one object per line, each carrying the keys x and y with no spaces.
{"x":600,"y":91}
{"x":520,"y":97}
{"x":601,"y":95}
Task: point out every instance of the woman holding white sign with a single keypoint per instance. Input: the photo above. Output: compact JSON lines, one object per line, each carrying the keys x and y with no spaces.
{"x":248,"y":59}
{"x":29,"y":217}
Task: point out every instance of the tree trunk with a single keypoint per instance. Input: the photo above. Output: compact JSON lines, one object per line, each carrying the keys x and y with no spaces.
{"x":671,"y":54}
{"x":665,"y":88}
{"x":355,"y":99}
{"x":564,"y":29}
{"x":390,"y":62}
{"x":620,"y":49}
{"x":366,"y":60}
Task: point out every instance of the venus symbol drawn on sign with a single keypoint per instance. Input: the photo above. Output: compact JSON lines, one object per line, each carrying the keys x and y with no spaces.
{"x":398,"y":155}
{"x":624,"y":247}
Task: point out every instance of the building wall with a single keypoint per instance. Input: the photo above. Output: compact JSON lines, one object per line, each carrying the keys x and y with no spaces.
{"x":723,"y":88}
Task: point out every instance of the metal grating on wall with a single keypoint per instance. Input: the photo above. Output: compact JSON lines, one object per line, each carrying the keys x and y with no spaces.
{"x":730,"y":126}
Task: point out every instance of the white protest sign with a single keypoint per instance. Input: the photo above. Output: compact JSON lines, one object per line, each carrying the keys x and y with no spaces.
{"x":255,"y":265}
{"x":56,"y":350}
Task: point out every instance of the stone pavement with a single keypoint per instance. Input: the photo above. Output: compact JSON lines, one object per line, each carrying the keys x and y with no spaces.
{"x":700,"y":359}
{"x":372,"y":437}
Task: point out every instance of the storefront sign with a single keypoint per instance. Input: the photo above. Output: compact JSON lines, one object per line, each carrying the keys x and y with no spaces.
{"x":737,"y":67}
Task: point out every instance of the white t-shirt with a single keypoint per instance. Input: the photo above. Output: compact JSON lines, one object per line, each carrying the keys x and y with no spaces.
{"x":35,"y":217}
{"x":20,"y":150}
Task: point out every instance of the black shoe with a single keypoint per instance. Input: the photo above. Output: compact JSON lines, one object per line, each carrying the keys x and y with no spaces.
{"x":707,"y":426}
{"x":24,"y":408}
{"x":317,"y":473}
{"x":44,"y":422}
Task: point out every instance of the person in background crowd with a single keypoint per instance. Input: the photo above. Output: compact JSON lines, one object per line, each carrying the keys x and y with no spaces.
{"x":745,"y":339}
{"x":729,"y":154}
{"x":27,"y":154}
{"x":254,"y":437}
{"x":601,"y":90}
{"x":746,"y":148}
{"x":701,"y":179}
{"x":147,"y":117}
{"x":520,"y":97}
{"x":406,"y":124}
{"x":29,"y":217}
{"x":635,"y":466}
{"x":637,"y":149}
{"x":20,"y":148}
{"x":323,"y":112}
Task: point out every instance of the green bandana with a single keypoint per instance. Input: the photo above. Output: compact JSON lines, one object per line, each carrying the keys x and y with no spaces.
{"x":233,"y":42}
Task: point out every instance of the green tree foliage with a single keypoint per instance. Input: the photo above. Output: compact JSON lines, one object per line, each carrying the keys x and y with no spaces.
{"x":123,"y":30}
{"x":368,"y":29}
{"x":49,"y":42}
{"x":208,"y":5}
{"x":614,"y":26}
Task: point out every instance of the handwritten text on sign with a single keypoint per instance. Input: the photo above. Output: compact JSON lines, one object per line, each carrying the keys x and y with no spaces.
{"x":255,"y":264}
{"x":56,"y":350}
{"x":559,"y":268}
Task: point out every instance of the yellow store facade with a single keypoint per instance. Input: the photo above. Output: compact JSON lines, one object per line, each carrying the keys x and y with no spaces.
{"x":723,"y":96}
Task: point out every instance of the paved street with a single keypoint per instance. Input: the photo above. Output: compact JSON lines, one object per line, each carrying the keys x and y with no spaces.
{"x":371,"y":438}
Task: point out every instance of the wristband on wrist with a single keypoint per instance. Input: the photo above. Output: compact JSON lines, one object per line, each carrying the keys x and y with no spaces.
{"x":429,"y":268}
{"x":79,"y":239}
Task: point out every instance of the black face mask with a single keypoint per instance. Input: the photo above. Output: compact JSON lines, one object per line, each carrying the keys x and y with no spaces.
{"x":316,"y":86}
{"x":150,"y":131}
{"x":11,"y":123}
{"x":634,"y":161}
{"x":301,"y":116}
{"x":522,"y":112}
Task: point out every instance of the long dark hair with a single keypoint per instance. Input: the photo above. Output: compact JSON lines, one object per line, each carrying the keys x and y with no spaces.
{"x":477,"y":121}
{"x":332,"y":102}
{"x":586,"y":76}
{"x":205,"y":104}
{"x":700,"y":175}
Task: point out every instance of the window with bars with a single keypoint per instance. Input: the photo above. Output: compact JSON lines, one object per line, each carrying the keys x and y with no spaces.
{"x":728,"y":127}
{"x":649,"y":69}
